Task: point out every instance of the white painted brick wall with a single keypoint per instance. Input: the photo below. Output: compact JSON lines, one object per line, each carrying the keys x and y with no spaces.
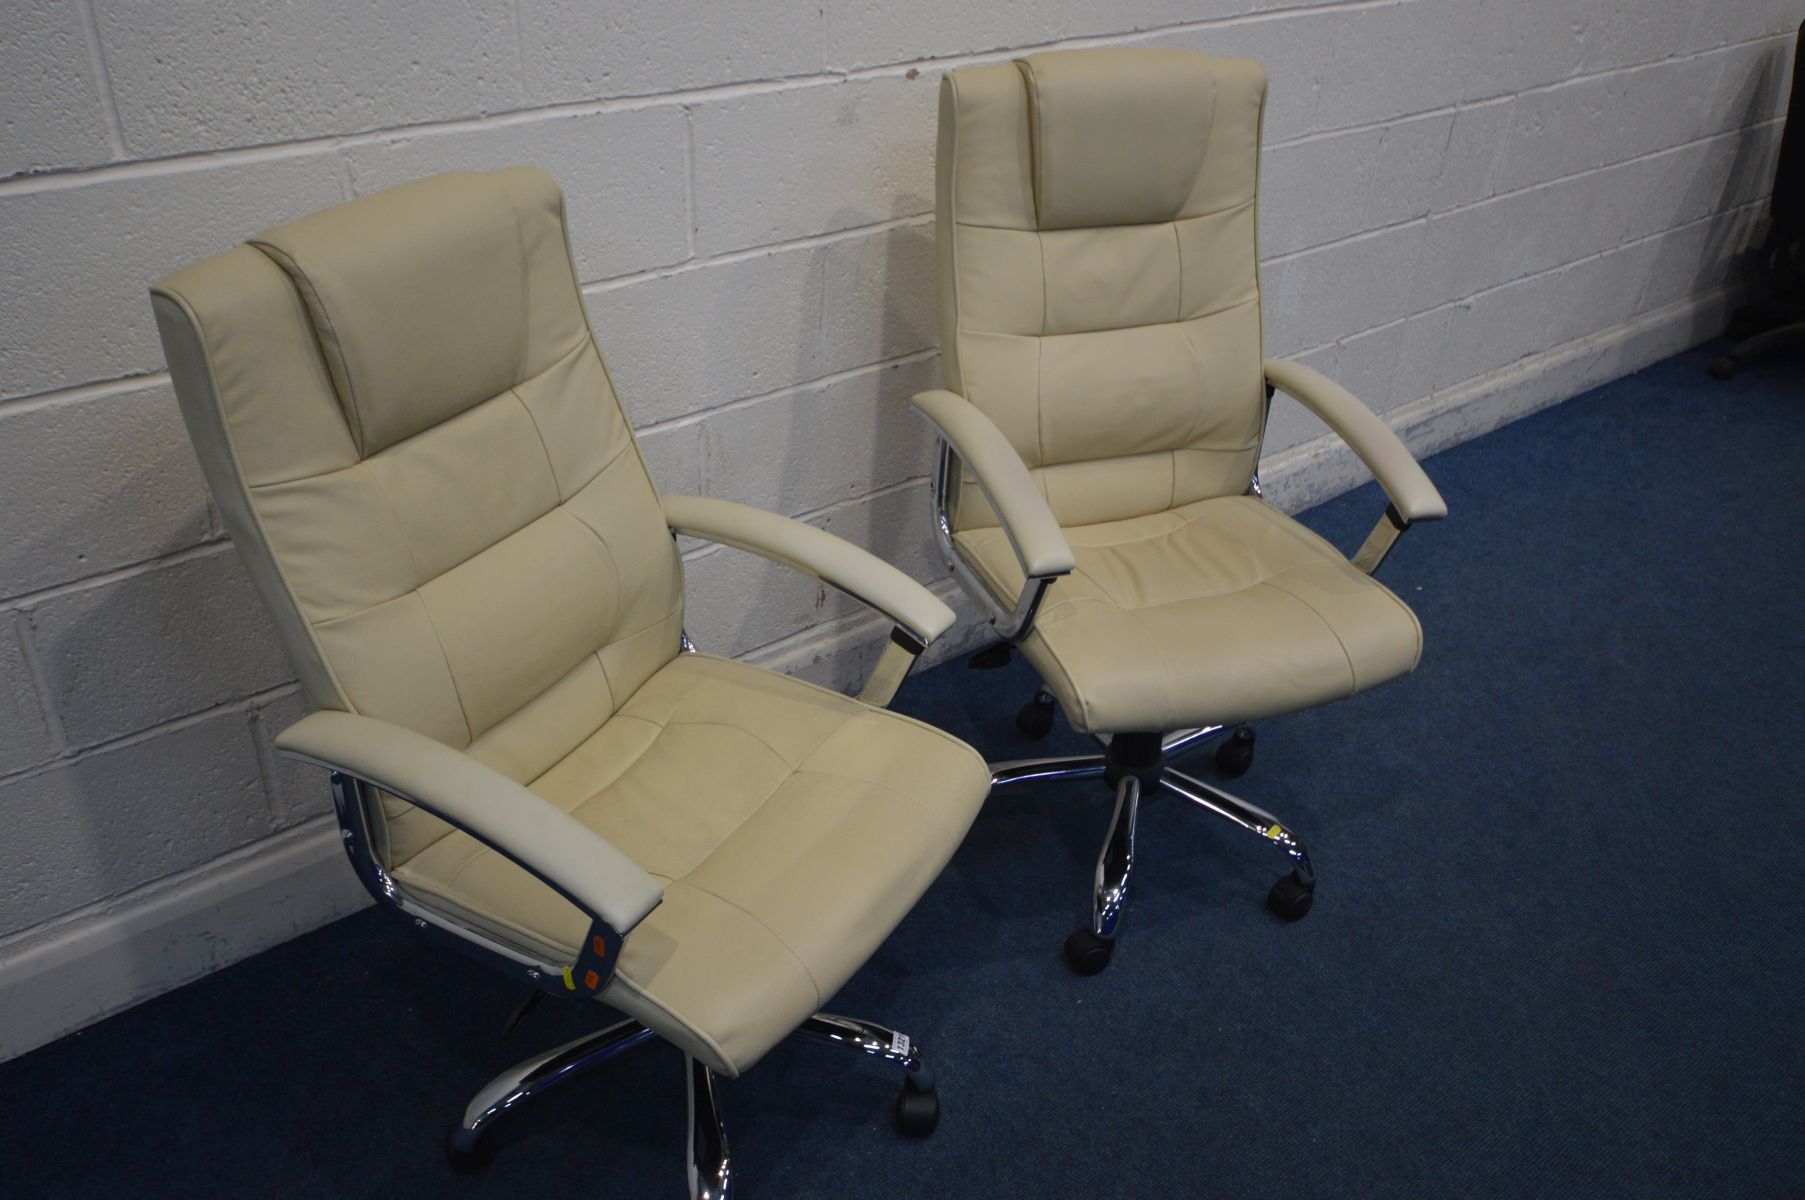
{"x":1450,"y":187}
{"x":105,"y":823}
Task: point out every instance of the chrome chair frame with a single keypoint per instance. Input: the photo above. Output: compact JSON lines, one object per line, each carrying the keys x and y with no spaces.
{"x":707,"y":1162}
{"x":1291,"y":897}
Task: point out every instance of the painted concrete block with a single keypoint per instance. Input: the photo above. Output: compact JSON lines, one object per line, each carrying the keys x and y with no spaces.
{"x":155,"y":646}
{"x":776,"y":166}
{"x":95,"y":485}
{"x":189,"y":75}
{"x":623,"y":175}
{"x":50,"y":110}
{"x":79,"y":255}
{"x":572,"y":50}
{"x":86,"y":830}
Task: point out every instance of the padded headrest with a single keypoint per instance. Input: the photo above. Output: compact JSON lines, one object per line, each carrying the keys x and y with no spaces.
{"x":1118,"y":135}
{"x":419,"y":294}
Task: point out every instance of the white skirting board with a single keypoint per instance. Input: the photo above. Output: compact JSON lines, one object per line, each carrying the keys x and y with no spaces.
{"x":89,"y":965}
{"x":159,"y":937}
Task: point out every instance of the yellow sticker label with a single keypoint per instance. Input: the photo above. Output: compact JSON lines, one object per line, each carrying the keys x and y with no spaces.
{"x":569,"y":980}
{"x":1276,"y":832}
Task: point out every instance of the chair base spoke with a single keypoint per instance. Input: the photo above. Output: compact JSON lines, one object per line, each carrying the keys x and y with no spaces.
{"x":1138,"y":764}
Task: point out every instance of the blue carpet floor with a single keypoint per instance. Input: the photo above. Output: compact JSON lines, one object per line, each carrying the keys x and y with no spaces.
{"x":1557,"y":950}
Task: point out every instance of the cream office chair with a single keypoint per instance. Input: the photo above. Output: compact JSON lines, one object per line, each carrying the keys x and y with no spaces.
{"x":1097,"y":491}
{"x":403,"y":416}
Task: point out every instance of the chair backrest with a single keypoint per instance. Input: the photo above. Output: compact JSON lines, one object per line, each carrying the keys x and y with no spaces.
{"x":1099,"y":288}
{"x":403,"y":416}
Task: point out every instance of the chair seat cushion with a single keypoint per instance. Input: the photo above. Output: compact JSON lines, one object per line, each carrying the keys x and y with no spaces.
{"x":793,"y":828}
{"x":1215,"y":612}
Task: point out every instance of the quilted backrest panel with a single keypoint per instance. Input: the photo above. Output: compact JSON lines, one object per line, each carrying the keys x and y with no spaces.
{"x":401,"y":411}
{"x":1100,"y":294}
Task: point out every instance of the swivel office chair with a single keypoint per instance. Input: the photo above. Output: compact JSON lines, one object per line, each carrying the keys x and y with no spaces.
{"x":402,"y":413}
{"x":1097,"y":490}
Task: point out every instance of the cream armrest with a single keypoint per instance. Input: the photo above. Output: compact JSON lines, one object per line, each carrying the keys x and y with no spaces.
{"x":1384,"y":453}
{"x":1039,"y":543}
{"x":568,"y":855}
{"x":863,"y":576}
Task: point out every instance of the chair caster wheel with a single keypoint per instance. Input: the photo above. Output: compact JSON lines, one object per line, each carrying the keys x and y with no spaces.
{"x":468,"y":1155}
{"x":1724,"y":368}
{"x":1087,"y":953}
{"x":1035,"y":720}
{"x":917,"y":1113}
{"x":1290,"y":898}
{"x":1235,"y":755}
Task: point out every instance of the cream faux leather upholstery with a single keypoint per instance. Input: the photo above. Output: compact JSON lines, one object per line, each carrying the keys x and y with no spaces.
{"x":1040,"y":546}
{"x":813,"y":552}
{"x":1405,"y":483}
{"x":1223,"y":607}
{"x":402,"y":413}
{"x":1100,"y":305}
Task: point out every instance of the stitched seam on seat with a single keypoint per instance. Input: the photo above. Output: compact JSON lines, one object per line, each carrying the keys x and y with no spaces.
{"x":1197,"y":413}
{"x":462,"y":905}
{"x":627,"y":637}
{"x":760,"y":921}
{"x":1178,"y":247}
{"x":863,"y":709}
{"x":550,"y":467}
{"x":1062,"y":670}
{"x":1353,"y":675}
{"x":607,"y":683}
{"x":740,"y":824}
{"x":526,"y":306}
{"x":614,"y":566}
{"x":643,"y":750}
{"x":1040,"y":359}
{"x":789,"y":774}
{"x":349,"y":399}
{"x":480,"y":851}
{"x":1402,"y":607}
{"x":1216,"y":312}
{"x":922,"y":727}
{"x":907,"y":797}
{"x":1146,"y":454}
{"x":1133,"y":541}
{"x":778,"y":786}
{"x":385,"y":453}
{"x":1298,"y":533}
{"x":676,"y":1017}
{"x":456,"y":691}
{"x":776,"y":753}
{"x":1183,"y":325}
{"x":1115,"y":224}
{"x":628,"y":444}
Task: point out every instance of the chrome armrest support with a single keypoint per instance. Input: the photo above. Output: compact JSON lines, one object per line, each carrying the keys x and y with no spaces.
{"x":352,"y":800}
{"x":1013,"y":623}
{"x":1379,"y":542}
{"x":365,"y":754}
{"x":1411,"y":495}
{"x":919,"y":615}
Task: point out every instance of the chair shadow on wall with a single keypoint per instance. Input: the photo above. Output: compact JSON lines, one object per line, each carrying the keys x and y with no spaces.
{"x":890,"y":316}
{"x":141,"y":816}
{"x":1724,"y":257}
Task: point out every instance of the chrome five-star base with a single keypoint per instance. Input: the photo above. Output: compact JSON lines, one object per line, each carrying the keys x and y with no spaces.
{"x":1133,"y":765}
{"x":710,"y":1169}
